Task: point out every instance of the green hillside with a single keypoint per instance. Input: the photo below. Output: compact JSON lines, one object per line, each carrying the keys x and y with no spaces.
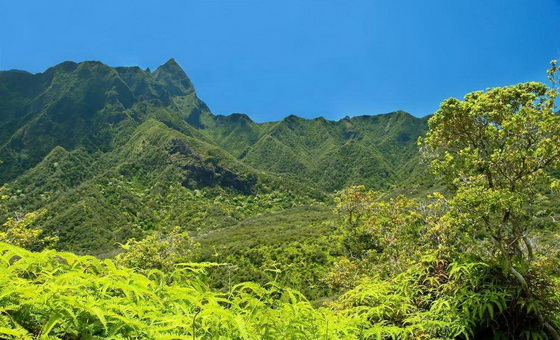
{"x":367,"y":150}
{"x":113,"y":153}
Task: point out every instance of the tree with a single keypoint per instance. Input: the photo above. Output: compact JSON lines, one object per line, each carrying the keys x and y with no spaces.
{"x":19,"y":232}
{"x":497,"y":150}
{"x":384,"y":236}
{"x":161,"y":250}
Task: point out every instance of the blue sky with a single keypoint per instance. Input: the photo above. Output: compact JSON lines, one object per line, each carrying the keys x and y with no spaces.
{"x":311,"y":58}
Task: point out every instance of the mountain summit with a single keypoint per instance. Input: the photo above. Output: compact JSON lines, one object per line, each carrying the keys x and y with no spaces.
{"x":175,"y":79}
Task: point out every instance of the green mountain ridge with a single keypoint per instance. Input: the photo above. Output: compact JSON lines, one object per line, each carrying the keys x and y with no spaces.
{"x":114,"y":152}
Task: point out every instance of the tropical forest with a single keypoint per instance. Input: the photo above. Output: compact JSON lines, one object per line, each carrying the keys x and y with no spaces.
{"x":129,"y":210}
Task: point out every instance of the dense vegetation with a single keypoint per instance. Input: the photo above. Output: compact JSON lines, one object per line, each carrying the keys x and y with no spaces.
{"x":217,"y":227}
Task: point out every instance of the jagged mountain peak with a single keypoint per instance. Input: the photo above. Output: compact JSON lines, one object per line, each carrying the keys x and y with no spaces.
{"x":171,"y":63}
{"x":83,"y":105}
{"x":170,"y":67}
{"x":76,"y":104}
{"x":174,"y":77}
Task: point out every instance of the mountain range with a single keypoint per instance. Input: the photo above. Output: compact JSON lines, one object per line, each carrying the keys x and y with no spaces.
{"x":114,"y":152}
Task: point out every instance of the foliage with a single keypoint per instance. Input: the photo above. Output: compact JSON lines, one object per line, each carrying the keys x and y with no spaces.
{"x":294,"y":247}
{"x":372,"y":226}
{"x":160,"y":250}
{"x":382,"y":237}
{"x":419,"y":275}
{"x":432,"y":299}
{"x":64,"y":296}
{"x":498,"y":149}
{"x":17,"y":231}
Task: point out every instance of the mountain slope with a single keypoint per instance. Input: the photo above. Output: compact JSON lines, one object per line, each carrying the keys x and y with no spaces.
{"x":113,"y":153}
{"x":79,"y":105}
{"x":367,"y":150}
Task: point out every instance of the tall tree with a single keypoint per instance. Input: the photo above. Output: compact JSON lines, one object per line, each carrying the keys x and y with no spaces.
{"x":497,"y":149}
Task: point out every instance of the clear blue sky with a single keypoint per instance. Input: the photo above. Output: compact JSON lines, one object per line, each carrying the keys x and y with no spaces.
{"x":310,"y":58}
